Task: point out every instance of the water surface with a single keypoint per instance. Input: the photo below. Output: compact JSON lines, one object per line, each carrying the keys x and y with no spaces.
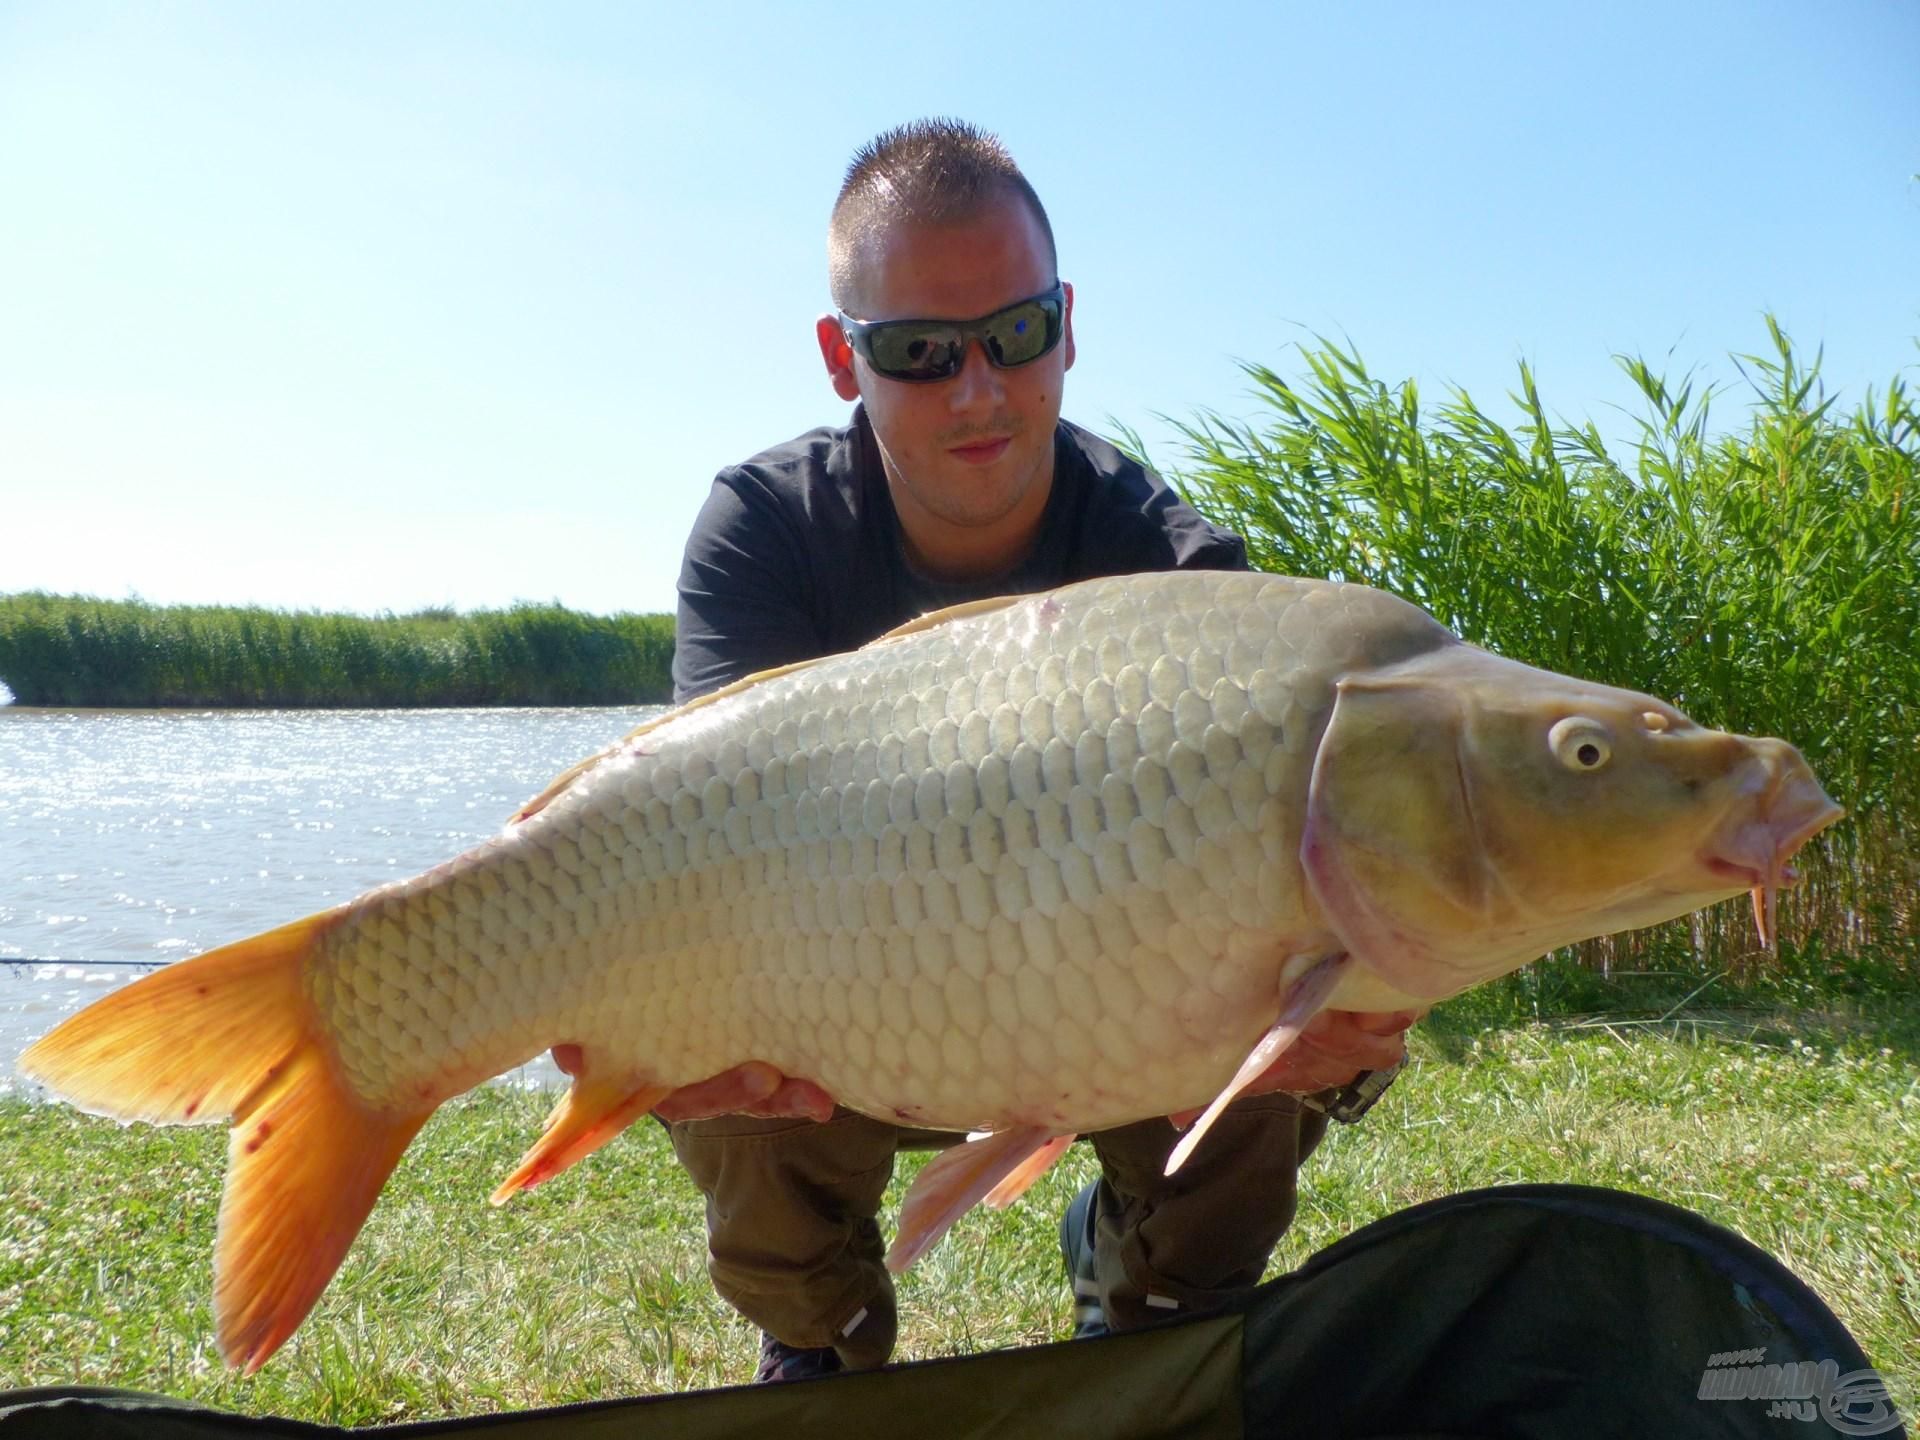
{"x":149,"y":836}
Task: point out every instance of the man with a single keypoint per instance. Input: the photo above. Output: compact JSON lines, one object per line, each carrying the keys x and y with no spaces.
{"x":956,"y":480}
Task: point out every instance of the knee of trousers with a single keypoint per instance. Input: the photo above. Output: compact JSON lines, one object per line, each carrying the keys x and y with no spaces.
{"x":792,"y":1242}
{"x":1196,"y":1239}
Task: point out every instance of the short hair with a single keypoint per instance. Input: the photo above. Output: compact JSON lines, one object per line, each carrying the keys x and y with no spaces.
{"x":927,"y":172}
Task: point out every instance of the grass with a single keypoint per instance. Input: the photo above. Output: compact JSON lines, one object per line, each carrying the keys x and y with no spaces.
{"x":71,"y":650}
{"x":1794,"y":1120}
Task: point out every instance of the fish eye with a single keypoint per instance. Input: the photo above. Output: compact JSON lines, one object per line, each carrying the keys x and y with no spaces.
{"x":1580,"y":744}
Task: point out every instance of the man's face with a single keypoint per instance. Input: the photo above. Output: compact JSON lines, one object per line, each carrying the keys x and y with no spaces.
{"x":972,"y":455}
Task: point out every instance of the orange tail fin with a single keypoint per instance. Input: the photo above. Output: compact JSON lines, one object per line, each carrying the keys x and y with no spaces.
{"x":232,"y":1034}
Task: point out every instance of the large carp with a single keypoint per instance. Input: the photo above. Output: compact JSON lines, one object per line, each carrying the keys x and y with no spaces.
{"x":1033,"y":867}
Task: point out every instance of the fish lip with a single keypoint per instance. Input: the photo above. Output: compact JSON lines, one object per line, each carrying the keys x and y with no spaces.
{"x":1746,"y":877}
{"x":1786,"y":833}
{"x":1791,"y":831}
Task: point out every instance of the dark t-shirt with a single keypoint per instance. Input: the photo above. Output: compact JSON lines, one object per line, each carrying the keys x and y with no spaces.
{"x":797,"y":552}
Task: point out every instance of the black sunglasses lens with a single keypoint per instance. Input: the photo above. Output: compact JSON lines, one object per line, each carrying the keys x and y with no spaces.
{"x":914,"y":352}
{"x":1022,"y":333}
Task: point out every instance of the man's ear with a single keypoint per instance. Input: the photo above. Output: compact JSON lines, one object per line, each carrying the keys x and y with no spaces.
{"x":838,"y":355}
{"x":1068,"y":322}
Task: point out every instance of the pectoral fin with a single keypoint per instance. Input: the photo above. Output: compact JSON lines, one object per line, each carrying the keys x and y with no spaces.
{"x":1000,"y":1165}
{"x":1305,"y":998}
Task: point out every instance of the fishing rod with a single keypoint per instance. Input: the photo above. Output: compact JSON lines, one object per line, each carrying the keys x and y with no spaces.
{"x":86,"y":964}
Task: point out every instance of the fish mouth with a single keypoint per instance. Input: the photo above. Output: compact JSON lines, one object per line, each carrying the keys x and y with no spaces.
{"x":1747,"y":876}
{"x":1752,"y":850}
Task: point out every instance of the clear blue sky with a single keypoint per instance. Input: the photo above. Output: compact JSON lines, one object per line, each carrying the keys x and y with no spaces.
{"x":377,"y":306}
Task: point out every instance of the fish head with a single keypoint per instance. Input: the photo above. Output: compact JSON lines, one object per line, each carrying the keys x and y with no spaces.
{"x":1467,"y":814}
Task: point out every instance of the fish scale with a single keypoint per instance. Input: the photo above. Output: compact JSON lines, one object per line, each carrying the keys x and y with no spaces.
{"x":810,"y":873}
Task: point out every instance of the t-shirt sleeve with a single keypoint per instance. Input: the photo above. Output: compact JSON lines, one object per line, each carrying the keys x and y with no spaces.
{"x":1174,"y":536}
{"x":743,"y":583}
{"x":1128,"y":520}
{"x":1206,"y":546}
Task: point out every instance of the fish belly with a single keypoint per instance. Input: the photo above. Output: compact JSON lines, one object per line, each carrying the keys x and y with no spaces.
{"x":1033,"y":866}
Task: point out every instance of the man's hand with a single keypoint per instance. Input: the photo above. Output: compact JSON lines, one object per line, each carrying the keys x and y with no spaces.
{"x":1334,"y":1048}
{"x":755,"y":1088}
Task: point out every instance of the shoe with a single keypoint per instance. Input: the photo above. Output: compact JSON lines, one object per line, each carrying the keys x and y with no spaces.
{"x":1076,"y":1251}
{"x":779,"y":1361}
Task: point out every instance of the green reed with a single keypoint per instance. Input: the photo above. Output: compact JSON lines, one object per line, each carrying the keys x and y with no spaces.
{"x":70,"y":650}
{"x":1764,"y":576}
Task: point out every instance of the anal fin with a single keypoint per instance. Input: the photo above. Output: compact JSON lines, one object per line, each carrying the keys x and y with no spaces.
{"x":1004,"y":1163}
{"x":1301,"y":1001}
{"x":1020,"y":1179}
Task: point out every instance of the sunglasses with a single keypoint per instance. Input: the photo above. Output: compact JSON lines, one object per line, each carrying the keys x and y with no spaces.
{"x":924,"y":350}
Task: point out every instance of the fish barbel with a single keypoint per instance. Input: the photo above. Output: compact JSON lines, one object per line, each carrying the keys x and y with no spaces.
{"x":1034,"y":867}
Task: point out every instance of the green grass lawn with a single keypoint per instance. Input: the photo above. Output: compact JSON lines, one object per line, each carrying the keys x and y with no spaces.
{"x":1795,"y":1123}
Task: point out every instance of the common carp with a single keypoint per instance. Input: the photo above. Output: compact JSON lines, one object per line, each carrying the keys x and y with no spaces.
{"x":1030,"y":867}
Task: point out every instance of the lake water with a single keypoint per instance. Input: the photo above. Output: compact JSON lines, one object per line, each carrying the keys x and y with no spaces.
{"x":150,"y":836}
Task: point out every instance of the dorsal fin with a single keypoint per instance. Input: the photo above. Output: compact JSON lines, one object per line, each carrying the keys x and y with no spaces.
{"x":941,"y":617}
{"x":574,"y":772}
{"x":912,"y":627}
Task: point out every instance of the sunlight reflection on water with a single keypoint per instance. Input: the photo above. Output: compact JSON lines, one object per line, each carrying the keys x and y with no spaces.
{"x":155,"y":835}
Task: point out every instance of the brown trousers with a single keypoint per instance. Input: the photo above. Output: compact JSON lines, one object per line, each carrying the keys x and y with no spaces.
{"x":794,"y":1246}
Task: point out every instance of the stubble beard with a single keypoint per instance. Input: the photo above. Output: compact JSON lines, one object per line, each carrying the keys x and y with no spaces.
{"x":966,"y":496}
